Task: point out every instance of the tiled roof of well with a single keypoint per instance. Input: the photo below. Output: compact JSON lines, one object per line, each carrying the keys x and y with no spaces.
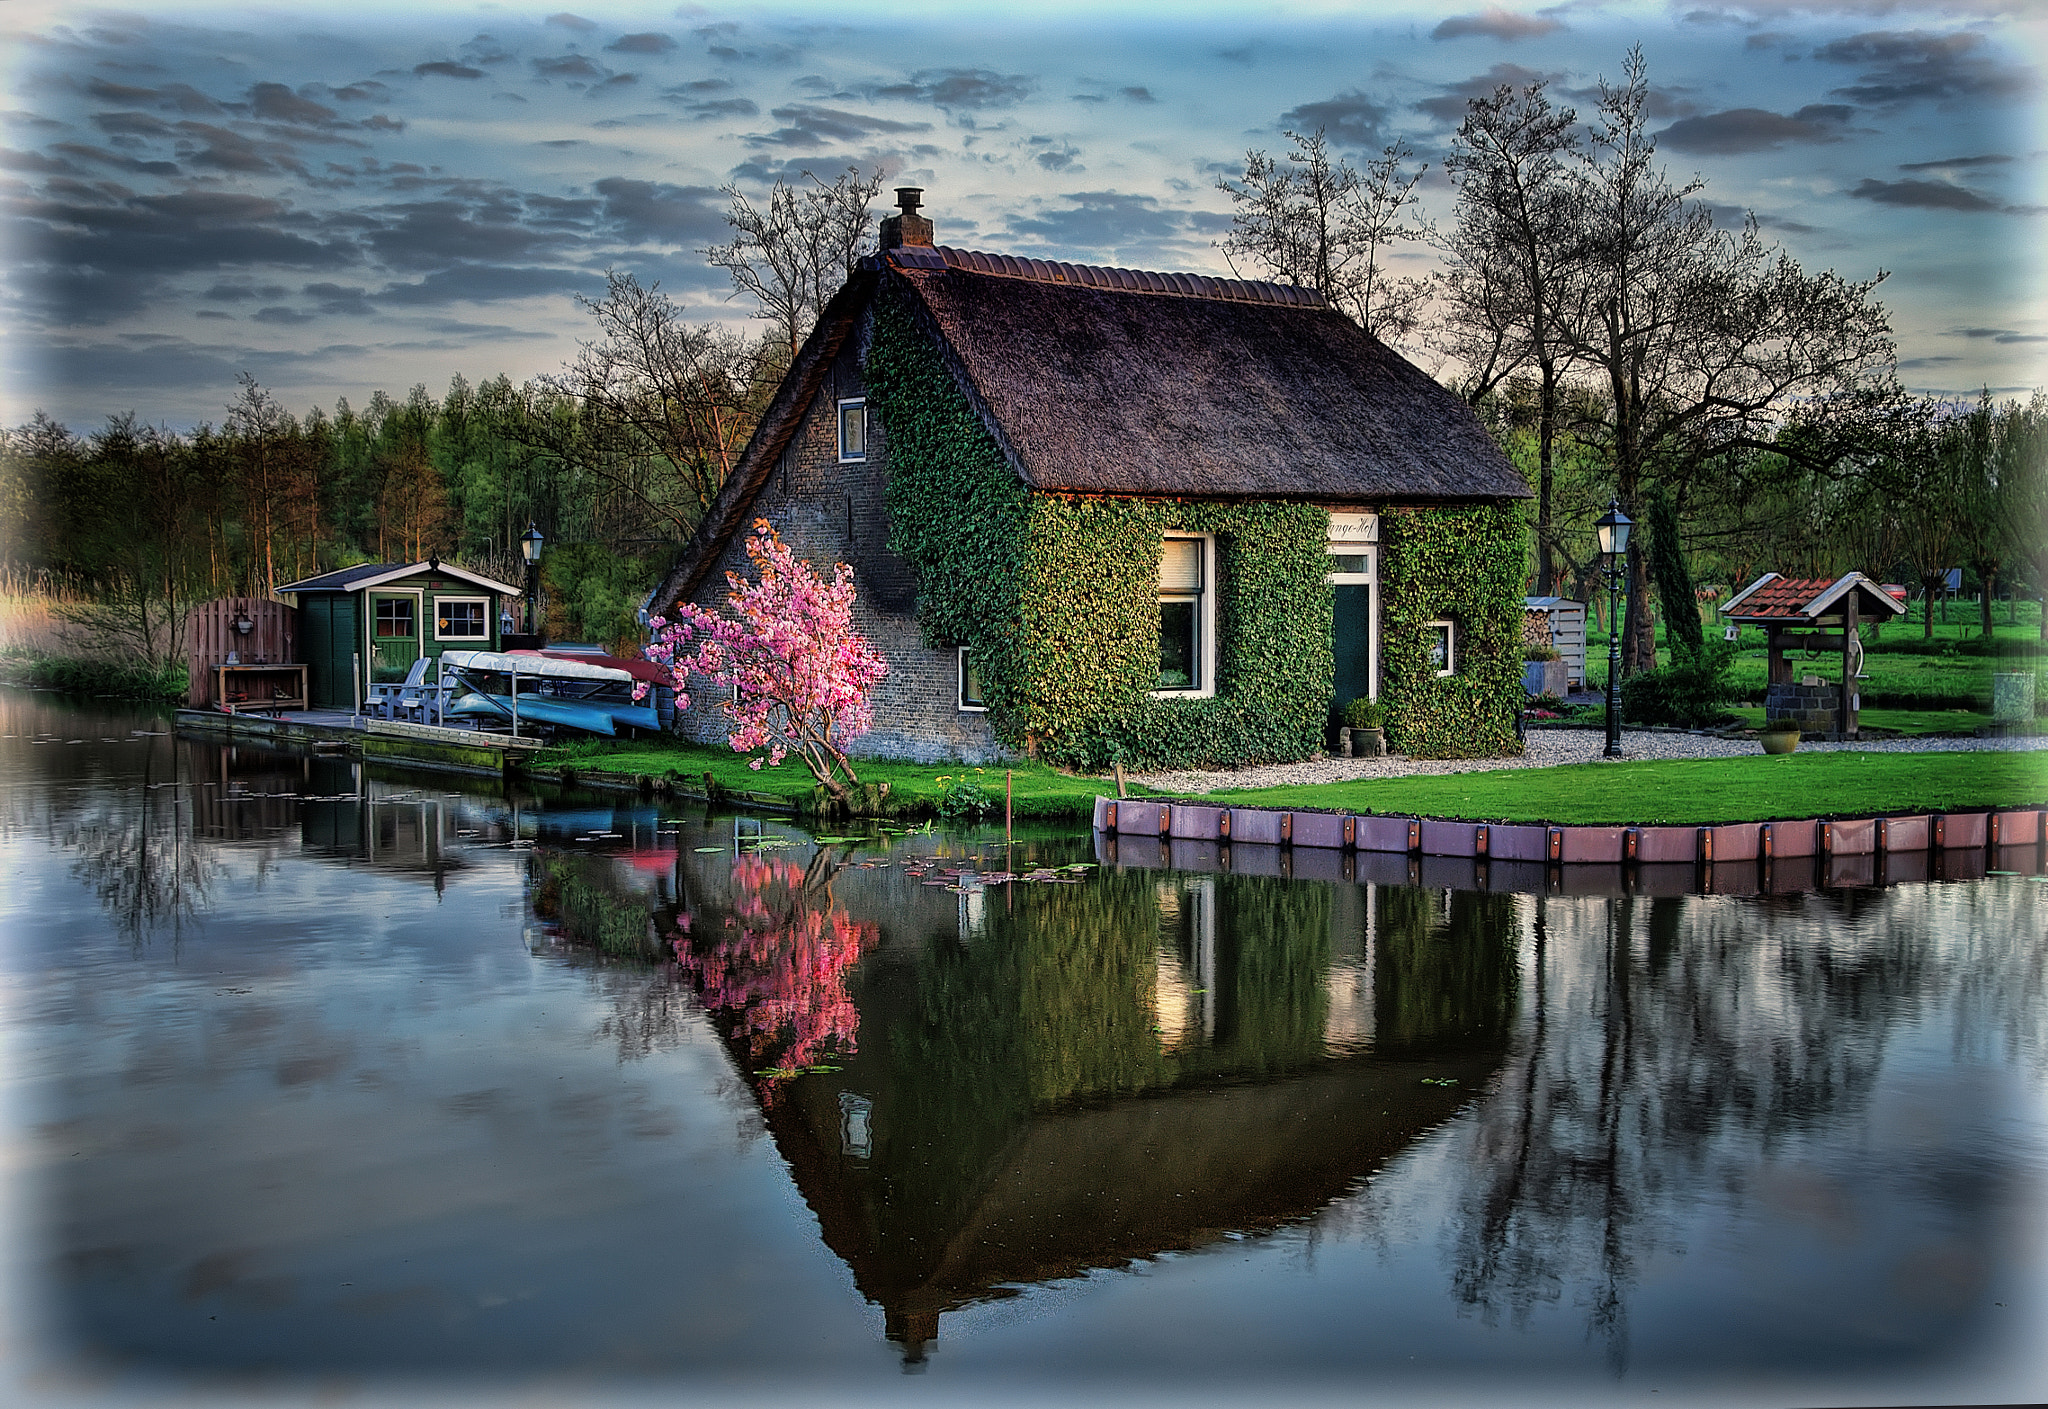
{"x":1794,"y":598}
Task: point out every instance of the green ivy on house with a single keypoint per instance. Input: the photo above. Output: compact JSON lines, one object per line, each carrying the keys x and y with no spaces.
{"x":1056,"y":595}
{"x":1464,"y":566}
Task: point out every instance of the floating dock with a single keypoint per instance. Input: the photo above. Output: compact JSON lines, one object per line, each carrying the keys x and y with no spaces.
{"x":473,"y":751}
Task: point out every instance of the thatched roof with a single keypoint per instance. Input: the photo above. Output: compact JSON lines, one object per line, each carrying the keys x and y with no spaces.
{"x":1120,"y":381}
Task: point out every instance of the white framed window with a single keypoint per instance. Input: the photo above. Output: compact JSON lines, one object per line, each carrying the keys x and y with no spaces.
{"x":394,"y":618}
{"x":970,"y":684}
{"x":1442,"y":643}
{"x":462,"y":619}
{"x":1187,"y":615}
{"x":853,"y":429}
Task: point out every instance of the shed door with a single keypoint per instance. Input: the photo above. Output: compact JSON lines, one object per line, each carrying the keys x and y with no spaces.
{"x":394,"y":633}
{"x":1355,"y":622}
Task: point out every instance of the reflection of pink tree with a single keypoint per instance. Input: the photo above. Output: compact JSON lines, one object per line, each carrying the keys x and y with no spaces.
{"x":779,"y":966}
{"x":800,"y":672}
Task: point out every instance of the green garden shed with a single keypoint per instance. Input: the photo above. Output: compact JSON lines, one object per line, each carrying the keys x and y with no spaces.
{"x":369,"y":623}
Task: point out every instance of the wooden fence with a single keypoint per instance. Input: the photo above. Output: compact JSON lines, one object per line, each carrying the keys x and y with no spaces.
{"x":211,"y":633}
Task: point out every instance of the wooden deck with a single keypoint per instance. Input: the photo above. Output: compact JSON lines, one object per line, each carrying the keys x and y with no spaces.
{"x":457,"y":750}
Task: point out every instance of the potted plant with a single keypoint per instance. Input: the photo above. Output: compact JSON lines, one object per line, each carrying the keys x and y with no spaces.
{"x":1780,"y":735}
{"x":1365,"y":728}
{"x":1544,"y":671}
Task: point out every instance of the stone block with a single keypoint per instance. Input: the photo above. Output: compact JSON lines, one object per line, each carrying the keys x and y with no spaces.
{"x":1321,"y":830}
{"x":1193,"y":823}
{"x":1139,"y":818}
{"x":1851,"y":838}
{"x":2016,"y":829}
{"x":1962,"y":830}
{"x":1596,"y":846}
{"x":1666,"y":845}
{"x":1383,"y":834}
{"x":1906,"y":833}
{"x":1449,"y":839}
{"x":1255,"y":826}
{"x":1784,"y":840}
{"x":1516,"y":844}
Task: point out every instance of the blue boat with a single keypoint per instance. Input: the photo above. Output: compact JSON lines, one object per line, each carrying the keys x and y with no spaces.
{"x":501,"y":687}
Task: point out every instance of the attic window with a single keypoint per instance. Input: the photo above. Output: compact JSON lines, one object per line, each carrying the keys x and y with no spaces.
{"x":1187,"y":617}
{"x":853,"y":429}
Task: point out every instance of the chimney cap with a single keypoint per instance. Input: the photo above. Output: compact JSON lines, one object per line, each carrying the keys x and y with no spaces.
{"x":907,"y":199}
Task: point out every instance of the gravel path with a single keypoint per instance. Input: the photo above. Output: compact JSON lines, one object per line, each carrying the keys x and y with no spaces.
{"x":1545,"y":748}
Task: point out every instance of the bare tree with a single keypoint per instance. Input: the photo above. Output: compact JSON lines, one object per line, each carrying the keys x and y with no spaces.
{"x":1707,"y":341}
{"x":795,"y":253}
{"x":664,"y":408}
{"x":1324,"y":225}
{"x":1511,"y":258}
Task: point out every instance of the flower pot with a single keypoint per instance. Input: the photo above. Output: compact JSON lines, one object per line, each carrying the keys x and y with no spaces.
{"x":1780,"y":740}
{"x":1368,"y":743}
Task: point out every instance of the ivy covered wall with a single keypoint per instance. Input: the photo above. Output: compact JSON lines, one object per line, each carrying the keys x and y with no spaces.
{"x":1056,"y":595}
{"x":1463,"y":566}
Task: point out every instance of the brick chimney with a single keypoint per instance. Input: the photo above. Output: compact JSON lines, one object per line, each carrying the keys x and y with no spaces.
{"x":909,"y":228}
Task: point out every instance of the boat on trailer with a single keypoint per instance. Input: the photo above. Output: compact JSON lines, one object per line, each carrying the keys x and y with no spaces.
{"x":582,"y":690}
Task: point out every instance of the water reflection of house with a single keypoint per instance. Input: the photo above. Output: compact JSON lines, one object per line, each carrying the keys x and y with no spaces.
{"x":1088,"y":1075}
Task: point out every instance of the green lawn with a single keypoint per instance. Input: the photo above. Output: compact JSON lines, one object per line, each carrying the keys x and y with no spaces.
{"x":1039,"y":792}
{"x":1691,"y":792}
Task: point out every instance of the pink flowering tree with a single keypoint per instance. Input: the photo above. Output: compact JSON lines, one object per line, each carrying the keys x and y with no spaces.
{"x":800,"y":672}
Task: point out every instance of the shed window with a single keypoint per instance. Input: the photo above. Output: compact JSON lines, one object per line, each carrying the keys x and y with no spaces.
{"x":1186,"y":617}
{"x":853,"y":430}
{"x":462,"y":619}
{"x":394,"y":617}
{"x":1443,"y":647}
{"x":970,"y":684}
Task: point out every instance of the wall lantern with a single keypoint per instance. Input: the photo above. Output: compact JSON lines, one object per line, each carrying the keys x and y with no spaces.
{"x":530,"y":544}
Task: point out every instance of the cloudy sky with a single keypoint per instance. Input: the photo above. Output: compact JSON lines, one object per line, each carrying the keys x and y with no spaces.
{"x":339,"y":199}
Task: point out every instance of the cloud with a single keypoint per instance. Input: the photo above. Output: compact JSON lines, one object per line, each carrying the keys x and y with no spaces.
{"x":567,"y":66}
{"x":1056,"y":155}
{"x":1755,"y":130}
{"x":278,"y":313}
{"x":1999,"y":335}
{"x":483,"y":283}
{"x":447,"y":70}
{"x":1350,"y":119}
{"x":1496,"y":23}
{"x":722,"y":41}
{"x":427,"y":234}
{"x":169,"y":97}
{"x":1136,"y":94}
{"x":340,"y":300}
{"x":1988,"y":160}
{"x":116,"y":160}
{"x":951,"y":89}
{"x":366,"y":90}
{"x":710,"y":109}
{"x":656,"y":211}
{"x":1095,"y":224}
{"x":1914,"y":66}
{"x":651,"y":43}
{"x":1922,"y":195}
{"x":1449,"y":109}
{"x":807,"y":126}
{"x":565,"y":20}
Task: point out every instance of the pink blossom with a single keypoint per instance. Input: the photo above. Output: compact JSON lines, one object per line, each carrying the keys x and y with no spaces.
{"x":802,"y":673}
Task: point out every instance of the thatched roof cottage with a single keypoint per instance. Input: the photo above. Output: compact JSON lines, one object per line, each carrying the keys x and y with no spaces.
{"x":1101,"y":513}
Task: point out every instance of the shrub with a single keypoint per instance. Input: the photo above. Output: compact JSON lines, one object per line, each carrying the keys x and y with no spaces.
{"x":1363,"y":713}
{"x":1545,"y":653}
{"x":1690,"y":692}
{"x":965,"y":798}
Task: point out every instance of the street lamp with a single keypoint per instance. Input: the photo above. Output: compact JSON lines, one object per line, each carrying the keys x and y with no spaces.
{"x":1612,"y":530}
{"x":530,"y":544}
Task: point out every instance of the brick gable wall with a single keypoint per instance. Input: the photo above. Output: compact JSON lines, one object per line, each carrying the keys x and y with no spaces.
{"x":829,"y":513}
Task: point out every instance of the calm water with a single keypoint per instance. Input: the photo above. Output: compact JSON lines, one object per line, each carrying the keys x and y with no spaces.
{"x":324,"y":1085}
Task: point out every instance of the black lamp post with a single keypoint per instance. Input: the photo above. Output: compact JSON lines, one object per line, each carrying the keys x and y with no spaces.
{"x":1613,"y":529}
{"x":530,"y":544}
